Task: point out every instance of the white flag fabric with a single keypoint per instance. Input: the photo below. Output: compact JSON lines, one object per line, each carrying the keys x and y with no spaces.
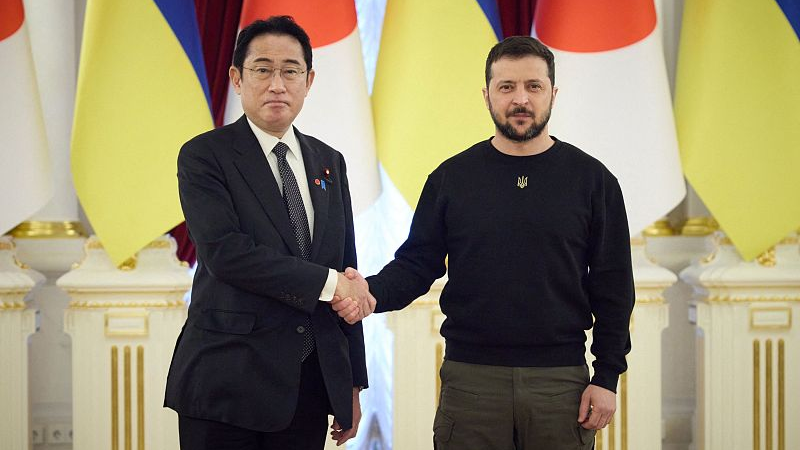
{"x":25,"y":180}
{"x":337,"y":109}
{"x":614,"y":100}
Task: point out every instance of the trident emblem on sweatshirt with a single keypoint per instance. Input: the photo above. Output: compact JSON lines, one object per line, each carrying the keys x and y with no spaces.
{"x":522,"y":182}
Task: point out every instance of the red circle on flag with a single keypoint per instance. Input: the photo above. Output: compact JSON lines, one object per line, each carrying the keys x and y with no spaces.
{"x":325,"y":21}
{"x":596,"y":26}
{"x":11,"y":16}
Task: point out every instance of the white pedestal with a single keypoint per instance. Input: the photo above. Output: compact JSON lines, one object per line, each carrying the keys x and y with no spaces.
{"x":418,"y":356}
{"x":17,"y":322}
{"x":747,"y":348}
{"x":124,"y":324}
{"x":637,"y":422}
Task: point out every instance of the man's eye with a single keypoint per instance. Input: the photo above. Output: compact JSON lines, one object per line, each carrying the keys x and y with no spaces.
{"x":263,"y":70}
{"x":291,"y":72}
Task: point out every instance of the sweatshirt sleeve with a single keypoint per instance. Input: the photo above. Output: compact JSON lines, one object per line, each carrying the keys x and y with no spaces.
{"x":611,"y":289}
{"x":420,"y":260}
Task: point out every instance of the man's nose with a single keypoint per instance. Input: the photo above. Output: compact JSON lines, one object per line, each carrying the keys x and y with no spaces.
{"x":520,"y":97}
{"x":276,"y":82}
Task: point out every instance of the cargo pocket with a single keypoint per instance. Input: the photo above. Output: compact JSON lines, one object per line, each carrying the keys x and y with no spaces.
{"x":586,"y":437}
{"x":442,"y":430}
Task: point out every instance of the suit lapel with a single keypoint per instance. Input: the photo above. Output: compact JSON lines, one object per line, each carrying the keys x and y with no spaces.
{"x":315,"y":164}
{"x":253,"y":165}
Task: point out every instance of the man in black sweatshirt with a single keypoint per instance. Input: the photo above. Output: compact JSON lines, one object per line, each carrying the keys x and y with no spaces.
{"x":538,"y":251}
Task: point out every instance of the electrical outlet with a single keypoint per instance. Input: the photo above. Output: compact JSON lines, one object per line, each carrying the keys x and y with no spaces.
{"x":59,"y":433}
{"x":37,"y":434}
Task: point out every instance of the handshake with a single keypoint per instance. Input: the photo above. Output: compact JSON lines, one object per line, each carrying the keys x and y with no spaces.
{"x":352,"y":300}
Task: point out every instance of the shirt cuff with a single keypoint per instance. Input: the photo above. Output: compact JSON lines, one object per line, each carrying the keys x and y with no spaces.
{"x":330,"y":286}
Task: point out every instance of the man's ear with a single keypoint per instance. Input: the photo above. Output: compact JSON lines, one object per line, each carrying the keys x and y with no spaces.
{"x":236,"y":79}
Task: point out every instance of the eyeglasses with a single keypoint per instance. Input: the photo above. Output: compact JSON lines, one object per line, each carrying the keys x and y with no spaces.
{"x":286,"y":73}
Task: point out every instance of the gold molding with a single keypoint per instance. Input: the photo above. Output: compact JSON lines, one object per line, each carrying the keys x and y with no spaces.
{"x":623,"y":406}
{"x":13,"y":306}
{"x":786,"y":309}
{"x":781,"y":394}
{"x":768,"y":394}
{"x":114,"y":398}
{"x":128,"y":264}
{"x":598,"y":439}
{"x":659,"y":228}
{"x":699,"y":226}
{"x":158,"y":244}
{"x":127,"y":388}
{"x":143,"y":328}
{"x":612,"y":434}
{"x":756,"y":395}
{"x":89,"y":304}
{"x":724,"y":240}
{"x":657,"y":300}
{"x":767,"y":259}
{"x":140,"y":397}
{"x":34,"y":229}
{"x":8,"y":246}
{"x":752,"y":299}
{"x":638,"y":242}
{"x":438,"y":366}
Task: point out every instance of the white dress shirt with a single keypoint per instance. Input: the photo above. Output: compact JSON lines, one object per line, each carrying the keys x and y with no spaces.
{"x":295,"y":159}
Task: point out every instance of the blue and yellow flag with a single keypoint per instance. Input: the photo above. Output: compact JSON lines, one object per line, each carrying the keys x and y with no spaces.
{"x":142,"y":92}
{"x":427,"y":102}
{"x":737,"y":109}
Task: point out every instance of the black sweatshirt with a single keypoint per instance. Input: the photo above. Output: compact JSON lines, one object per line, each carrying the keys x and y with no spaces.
{"x":536,"y":246}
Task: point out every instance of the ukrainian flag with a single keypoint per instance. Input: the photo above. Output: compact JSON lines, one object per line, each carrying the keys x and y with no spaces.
{"x":737,"y":110}
{"x":427,"y":102}
{"x":142,"y":92}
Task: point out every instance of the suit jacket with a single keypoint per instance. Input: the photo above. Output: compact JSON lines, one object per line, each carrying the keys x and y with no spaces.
{"x":237,"y":359}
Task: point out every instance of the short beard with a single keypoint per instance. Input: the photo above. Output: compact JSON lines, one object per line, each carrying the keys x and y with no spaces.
{"x":507,"y":130}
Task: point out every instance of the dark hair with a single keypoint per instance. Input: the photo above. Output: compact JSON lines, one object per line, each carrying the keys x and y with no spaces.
{"x":278,"y":25}
{"x":516,"y":47}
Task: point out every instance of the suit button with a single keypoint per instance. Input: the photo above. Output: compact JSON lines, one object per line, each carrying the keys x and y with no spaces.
{"x":301,"y":329}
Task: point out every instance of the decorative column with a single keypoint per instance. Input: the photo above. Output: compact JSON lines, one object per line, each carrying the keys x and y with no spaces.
{"x":124,"y":324}
{"x":637,"y":422}
{"x":747,"y":347}
{"x":17,"y":322}
{"x":418,"y":356}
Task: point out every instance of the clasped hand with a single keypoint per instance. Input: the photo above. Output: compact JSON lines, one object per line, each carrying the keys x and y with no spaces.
{"x":352,"y":300}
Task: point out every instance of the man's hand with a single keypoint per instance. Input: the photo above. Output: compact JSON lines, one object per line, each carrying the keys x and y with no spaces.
{"x":597,"y":407}
{"x":341,"y":436}
{"x":352,"y":300}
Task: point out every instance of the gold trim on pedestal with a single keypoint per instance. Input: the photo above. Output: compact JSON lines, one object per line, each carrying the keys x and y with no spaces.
{"x":140,"y":397}
{"x":438,"y":365}
{"x":767,"y":259}
{"x":598,"y":440}
{"x":34,"y":229}
{"x":114,"y":398}
{"x":9,"y":246}
{"x":13,"y":306}
{"x":659,"y":228}
{"x":756,"y":395}
{"x":768,"y":394}
{"x":699,"y":226}
{"x":127,"y":388}
{"x":771,"y":326}
{"x":623,"y":413}
{"x":752,"y":299}
{"x":612,"y":434}
{"x":89,"y":304}
{"x":781,"y":393}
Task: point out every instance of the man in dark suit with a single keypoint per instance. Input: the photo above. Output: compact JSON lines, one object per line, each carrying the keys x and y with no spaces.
{"x":263,"y":358}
